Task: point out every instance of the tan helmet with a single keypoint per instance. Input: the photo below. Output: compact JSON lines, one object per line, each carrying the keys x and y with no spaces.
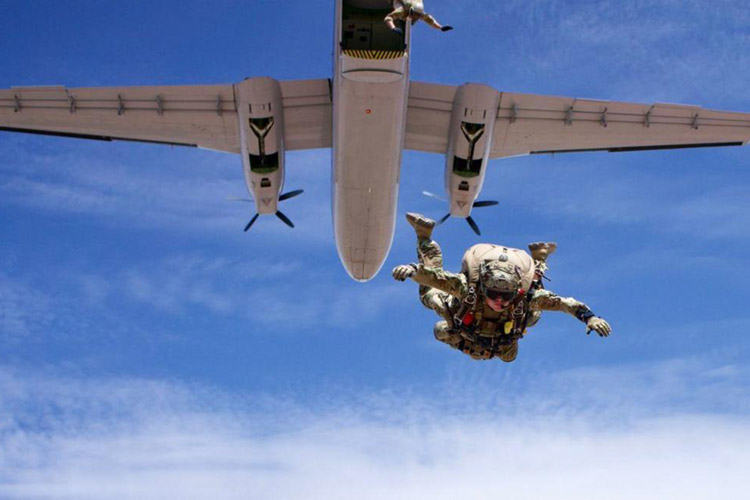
{"x":499,"y":276}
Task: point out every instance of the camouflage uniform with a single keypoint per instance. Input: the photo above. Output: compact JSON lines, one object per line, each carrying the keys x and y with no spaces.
{"x":414,"y":10}
{"x":444,"y":291}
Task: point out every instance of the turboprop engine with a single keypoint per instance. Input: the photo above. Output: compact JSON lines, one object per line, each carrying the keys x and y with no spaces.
{"x":261,"y":122}
{"x":472,"y":126}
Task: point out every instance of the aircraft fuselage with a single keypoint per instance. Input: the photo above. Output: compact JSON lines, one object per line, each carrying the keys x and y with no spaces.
{"x":370,"y":93}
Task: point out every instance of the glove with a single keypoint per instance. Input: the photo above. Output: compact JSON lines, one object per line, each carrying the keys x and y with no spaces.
{"x":446,"y":28}
{"x":600,"y":326}
{"x":400,"y":273}
{"x":398,"y":31}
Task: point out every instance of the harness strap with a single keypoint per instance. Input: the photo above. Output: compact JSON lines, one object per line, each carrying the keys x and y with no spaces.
{"x":468,"y":322}
{"x":464,"y":317}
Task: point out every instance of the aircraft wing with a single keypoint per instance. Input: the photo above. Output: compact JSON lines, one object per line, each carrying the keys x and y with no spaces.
{"x":428,"y":117}
{"x":308,"y":114}
{"x":535,"y":124}
{"x":202,"y":115}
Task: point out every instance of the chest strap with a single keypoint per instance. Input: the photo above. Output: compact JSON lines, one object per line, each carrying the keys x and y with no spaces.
{"x":464,"y":317}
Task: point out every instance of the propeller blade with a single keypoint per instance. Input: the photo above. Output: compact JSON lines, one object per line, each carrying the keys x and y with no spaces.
{"x":486,"y":203}
{"x":249,"y":200}
{"x":284,"y":219}
{"x":445,"y":218}
{"x":291,"y":194}
{"x":473,"y":225}
{"x":433,"y":195}
{"x":252,"y":221}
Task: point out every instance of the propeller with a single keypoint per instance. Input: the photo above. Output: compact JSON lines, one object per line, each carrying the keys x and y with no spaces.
{"x":477,"y":204}
{"x":473,"y":225}
{"x":469,"y":220}
{"x":433,"y":195}
{"x":291,"y":194}
{"x":283,"y":218}
{"x":252,"y":221}
{"x":485,"y":203}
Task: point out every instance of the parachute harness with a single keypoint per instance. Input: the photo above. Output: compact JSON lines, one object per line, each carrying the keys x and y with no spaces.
{"x":468,"y":319}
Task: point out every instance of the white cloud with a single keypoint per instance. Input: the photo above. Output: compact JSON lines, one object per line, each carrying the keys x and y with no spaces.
{"x":23,"y":309}
{"x":579,"y":188}
{"x":77,"y":438}
{"x":170,"y":193}
{"x":643,"y":50}
{"x":260,"y":291}
{"x":75,"y":303}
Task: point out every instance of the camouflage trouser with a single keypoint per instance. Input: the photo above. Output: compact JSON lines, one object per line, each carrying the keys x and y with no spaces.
{"x":429,"y":254}
{"x":445,"y":305}
{"x":443,"y":333}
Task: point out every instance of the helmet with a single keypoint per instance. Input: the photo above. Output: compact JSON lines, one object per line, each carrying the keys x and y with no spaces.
{"x":499,"y":276}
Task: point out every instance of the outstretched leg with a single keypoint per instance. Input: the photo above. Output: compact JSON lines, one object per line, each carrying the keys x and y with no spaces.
{"x":390,"y":19}
{"x":445,"y":334}
{"x":428,"y":250}
{"x":431,"y":21}
{"x":540,"y":251}
{"x":429,"y":254}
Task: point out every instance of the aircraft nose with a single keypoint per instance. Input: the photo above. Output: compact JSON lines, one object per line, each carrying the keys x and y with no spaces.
{"x":362,"y":264}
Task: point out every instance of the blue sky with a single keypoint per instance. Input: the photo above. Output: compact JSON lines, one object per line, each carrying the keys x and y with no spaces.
{"x":151,"y":349}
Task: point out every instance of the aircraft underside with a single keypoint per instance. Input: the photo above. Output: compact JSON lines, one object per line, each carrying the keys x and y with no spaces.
{"x":369,"y":110}
{"x":368,"y":113}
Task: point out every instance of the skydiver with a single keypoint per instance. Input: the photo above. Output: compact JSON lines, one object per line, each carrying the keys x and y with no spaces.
{"x":487,"y":307}
{"x":412,"y":10}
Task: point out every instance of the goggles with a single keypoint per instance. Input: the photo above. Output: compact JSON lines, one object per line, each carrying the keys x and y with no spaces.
{"x":500,"y":294}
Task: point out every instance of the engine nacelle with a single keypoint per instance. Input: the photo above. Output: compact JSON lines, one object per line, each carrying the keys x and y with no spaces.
{"x":261,"y":121}
{"x":472,"y":126}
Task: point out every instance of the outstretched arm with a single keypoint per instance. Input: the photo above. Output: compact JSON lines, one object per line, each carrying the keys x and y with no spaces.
{"x":446,"y":281}
{"x":434,"y":277}
{"x":544,"y":300}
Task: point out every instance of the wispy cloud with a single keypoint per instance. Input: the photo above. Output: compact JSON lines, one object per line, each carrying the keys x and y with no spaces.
{"x":263,"y":291}
{"x":672,"y":200}
{"x":643,"y":50}
{"x":257,"y":291}
{"x":180,"y":190}
{"x":124,"y":438}
{"x":24,"y":310}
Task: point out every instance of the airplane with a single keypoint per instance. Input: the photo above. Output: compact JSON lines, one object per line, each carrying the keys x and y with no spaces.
{"x":368,"y":113}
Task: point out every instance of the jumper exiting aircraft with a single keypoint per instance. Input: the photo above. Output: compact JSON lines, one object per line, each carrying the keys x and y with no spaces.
{"x":368,"y":113}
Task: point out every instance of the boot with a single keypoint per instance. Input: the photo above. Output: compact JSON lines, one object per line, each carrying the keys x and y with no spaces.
{"x":541,"y":250}
{"x":421,"y":224}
